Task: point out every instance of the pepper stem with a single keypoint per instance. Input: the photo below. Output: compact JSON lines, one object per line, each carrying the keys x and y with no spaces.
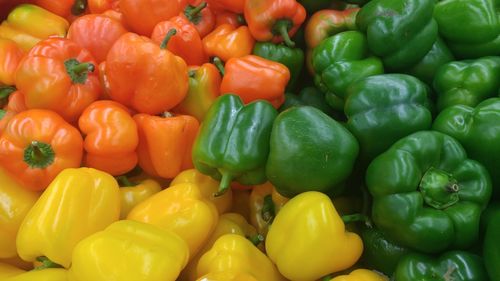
{"x":281,"y":28}
{"x":78,"y":7}
{"x":78,"y":71}
{"x":268,"y":211}
{"x":241,"y":19}
{"x":166,"y":114}
{"x":219,"y":65}
{"x":327,"y":278}
{"x":355,"y":218}
{"x":46,"y":263}
{"x":256,"y":239}
{"x":224,"y":185}
{"x":123,"y":181}
{"x":2,"y":113}
{"x":38,"y":155}
{"x":5,"y":92}
{"x":169,"y":35}
{"x":193,"y":12}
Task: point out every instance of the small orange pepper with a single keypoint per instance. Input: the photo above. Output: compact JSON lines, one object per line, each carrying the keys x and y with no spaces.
{"x":10,"y":56}
{"x":201,"y":16}
{"x":227,"y":41}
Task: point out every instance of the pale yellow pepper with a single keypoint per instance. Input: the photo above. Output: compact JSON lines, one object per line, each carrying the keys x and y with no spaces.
{"x":76,"y":204}
{"x":265,"y":203}
{"x":8,"y":270}
{"x":133,"y":192}
{"x":361,"y":275}
{"x":49,"y":274}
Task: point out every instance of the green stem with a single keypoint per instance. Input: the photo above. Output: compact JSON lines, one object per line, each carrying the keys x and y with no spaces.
{"x":281,"y":28}
{"x":193,"y":11}
{"x":219,"y":65}
{"x":123,"y":181}
{"x":225,"y":184}
{"x":169,"y":35}
{"x":46,"y":263}
{"x":327,"y":278}
{"x":355,"y":218}
{"x":256,"y":239}
{"x":5,"y":92}
{"x":78,"y":71}
{"x":241,"y":19}
{"x":268,"y":211}
{"x":38,"y":155}
{"x":78,"y":7}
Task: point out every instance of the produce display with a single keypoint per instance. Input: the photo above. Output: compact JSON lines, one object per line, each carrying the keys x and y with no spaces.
{"x":250,"y":140}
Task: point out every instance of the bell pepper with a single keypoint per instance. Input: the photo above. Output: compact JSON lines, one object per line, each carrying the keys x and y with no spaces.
{"x":233,"y":142}
{"x":7,"y":270}
{"x":401,"y":32}
{"x":309,"y":151}
{"x":29,"y":24}
{"x":341,"y":60}
{"x":58,"y":74}
{"x":274,"y":21}
{"x":189,"y":214}
{"x":142,"y":15}
{"x":128,"y":251}
{"x":200,"y":16}
{"x":227,"y":276}
{"x":96,"y":33}
{"x":308,"y":240}
{"x":111,"y":137}
{"x":49,"y":274}
{"x":37,"y":145}
{"x":208,"y":187}
{"x":133,"y":192}
{"x":361,"y":275}
{"x":308,"y":96}
{"x":292,"y":58}
{"x":16,"y":202}
{"x":392,"y":105}
{"x":235,"y":253}
{"x":165,"y":143}
{"x":453,"y":265}
{"x":241,"y":203}
{"x":61,"y":218}
{"x":144,"y":76}
{"x":225,"y":17}
{"x":10,"y":56}
{"x":101,"y":6}
{"x":438,"y":203}
{"x":227,"y":41}
{"x":478,"y":130}
{"x":204,"y":88}
{"x":253,"y":78}
{"x":467,"y":82}
{"x":63,"y":8}
{"x":235,"y":6}
{"x":15,"y":104}
{"x":491,"y":248}
{"x":265,"y":204}
{"x":326,"y":23}
{"x":470,"y":28}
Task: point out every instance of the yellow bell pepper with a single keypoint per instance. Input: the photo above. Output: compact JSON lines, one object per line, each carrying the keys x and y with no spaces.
{"x":8,"y":270}
{"x":265,"y":203}
{"x":183,"y":209}
{"x":208,"y":187}
{"x":361,"y":275}
{"x":132,"y":193}
{"x":76,"y":204}
{"x":15,"y":202}
{"x":227,"y":276}
{"x":49,"y":274}
{"x":28,"y":24}
{"x":235,"y":253}
{"x":241,"y":203}
{"x":308,"y":240}
{"x":129,"y":251}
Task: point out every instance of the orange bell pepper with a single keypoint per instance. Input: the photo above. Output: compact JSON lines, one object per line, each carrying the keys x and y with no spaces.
{"x":201,"y":16}
{"x":185,"y":41}
{"x":14,"y":105}
{"x":10,"y":56}
{"x":275,"y":21}
{"x":241,"y":203}
{"x":101,"y":6}
{"x":36,"y":145}
{"x":223,"y":17}
{"x":227,"y":41}
{"x":111,"y":137}
{"x":63,"y":8}
{"x":165,"y":143}
{"x":252,"y":78}
{"x":96,"y":33}
{"x":265,"y":203}
{"x":235,"y":6}
{"x":142,"y":15}
{"x":58,"y":74}
{"x":143,"y":76}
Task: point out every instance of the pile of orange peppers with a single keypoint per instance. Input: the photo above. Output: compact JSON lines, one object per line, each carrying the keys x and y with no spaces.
{"x":101,"y":103}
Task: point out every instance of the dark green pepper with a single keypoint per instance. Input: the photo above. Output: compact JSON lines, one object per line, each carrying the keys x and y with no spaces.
{"x":427,"y":195}
{"x":233,"y":141}
{"x":491,"y":247}
{"x":309,"y":151}
{"x":308,"y":96}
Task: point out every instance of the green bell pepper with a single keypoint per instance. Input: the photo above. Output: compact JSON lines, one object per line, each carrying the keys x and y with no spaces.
{"x":491,"y":247}
{"x":450,"y":266}
{"x":308,"y":96}
{"x":478,"y":130}
{"x":467,"y":82}
{"x":341,"y":60}
{"x":401,"y":32}
{"x":382,"y":109}
{"x":233,"y":141}
{"x":292,"y":58}
{"x":427,"y":195}
{"x":471,"y":28}
{"x":309,"y":151}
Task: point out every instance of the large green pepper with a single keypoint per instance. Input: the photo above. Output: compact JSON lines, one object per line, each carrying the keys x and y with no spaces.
{"x":309,"y":151}
{"x":471,"y":28}
{"x":382,"y":109}
{"x":233,"y":141}
{"x":401,"y":32}
{"x":307,"y":96}
{"x":341,"y":60}
{"x":478,"y":130}
{"x":491,"y":247}
{"x":427,"y":195}
{"x":467,"y":82}
{"x":450,"y":266}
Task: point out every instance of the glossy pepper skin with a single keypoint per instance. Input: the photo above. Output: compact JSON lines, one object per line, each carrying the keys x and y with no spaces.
{"x":29,"y":24}
{"x":37,"y":145}
{"x":60,"y":218}
{"x":227,"y":41}
{"x":491,"y":249}
{"x":111,"y":137}
{"x":400,"y":32}
{"x":129,"y":250}
{"x":15,"y":104}
{"x":49,"y":274}
{"x":165,"y":143}
{"x":133,"y":192}
{"x":101,"y":6}
{"x":64,"y":8}
{"x":309,"y":151}
{"x":253,"y":78}
{"x":453,"y":265}
{"x":326,"y":23}
{"x":201,"y":16}
{"x":467,"y":82}
{"x":143,"y":76}
{"x":479,"y":37}
{"x":235,"y":253}
{"x":361,"y":275}
{"x":265,"y":204}
{"x":438,"y":203}
{"x":10,"y":56}
{"x":320,"y":242}
{"x":233,"y":142}
{"x":57,"y":74}
{"x":227,"y":276}
{"x":235,"y":6}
